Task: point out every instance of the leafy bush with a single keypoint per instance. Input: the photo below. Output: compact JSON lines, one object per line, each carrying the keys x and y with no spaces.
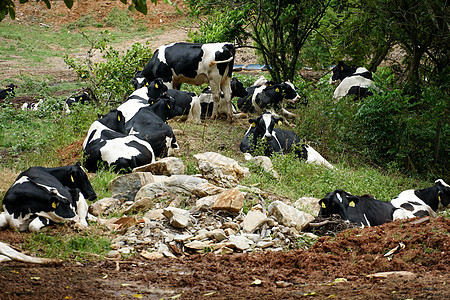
{"x":110,"y":79}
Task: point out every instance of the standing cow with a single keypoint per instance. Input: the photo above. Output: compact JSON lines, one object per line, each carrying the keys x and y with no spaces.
{"x":194,"y":63}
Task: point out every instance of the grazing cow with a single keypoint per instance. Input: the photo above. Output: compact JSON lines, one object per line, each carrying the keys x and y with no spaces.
{"x":9,"y":90}
{"x":149,"y":124}
{"x":269,"y":96}
{"x":278,"y":140}
{"x":107,"y":143}
{"x":42,"y":196}
{"x":424,"y":202}
{"x":194,"y":63}
{"x":363,"y":210}
{"x":142,"y":97}
{"x":353,"y":81}
{"x":206,"y":98}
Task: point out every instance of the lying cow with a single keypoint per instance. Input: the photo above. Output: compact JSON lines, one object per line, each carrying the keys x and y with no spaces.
{"x":363,"y":210}
{"x":82,"y":99}
{"x":194,"y":63}
{"x":9,"y":90}
{"x":424,"y":202}
{"x":353,"y":81}
{"x":149,"y":124}
{"x":270,"y":95}
{"x":278,"y":140}
{"x":142,"y":97}
{"x":43,"y":196}
{"x":108,"y":143}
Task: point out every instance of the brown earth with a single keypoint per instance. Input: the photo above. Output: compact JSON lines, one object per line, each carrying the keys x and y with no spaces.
{"x":335,"y":267}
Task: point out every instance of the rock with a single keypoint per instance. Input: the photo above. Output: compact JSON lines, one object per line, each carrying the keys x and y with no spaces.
{"x":205,"y":203}
{"x":232,"y":225}
{"x":104,"y":206}
{"x":179,"y":184}
{"x":114,"y":254}
{"x":289,"y":216}
{"x":239,"y":242}
{"x":166,"y":166}
{"x":231,"y":200}
{"x":182,"y":237}
{"x":126,"y":186}
{"x":151,"y":255}
{"x":266,"y":164}
{"x":390,"y":274}
{"x":178,"y":218}
{"x":142,"y":205}
{"x":220,"y":170}
{"x":196,"y":245}
{"x":308,"y":204}
{"x":253,"y":220}
{"x":217,"y":235}
{"x":155,"y":214}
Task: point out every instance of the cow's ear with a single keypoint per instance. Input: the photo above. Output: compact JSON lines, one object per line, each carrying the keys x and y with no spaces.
{"x":156,"y":86}
{"x":279,"y":121}
{"x":54,"y":202}
{"x":352,"y":200}
{"x":253,"y":122}
{"x":118,"y":117}
{"x":322,"y":203}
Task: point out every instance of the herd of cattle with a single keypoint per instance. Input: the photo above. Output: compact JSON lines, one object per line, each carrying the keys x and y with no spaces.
{"x":137,"y":133}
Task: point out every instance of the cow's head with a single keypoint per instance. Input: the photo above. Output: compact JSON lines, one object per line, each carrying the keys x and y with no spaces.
{"x":237,"y":88}
{"x":290,"y":92}
{"x":155,"y":89}
{"x":170,"y":106}
{"x":443,"y":194}
{"x":263,"y":125}
{"x":340,"y":71}
{"x":337,"y":203}
{"x":77,"y":178}
{"x":114,"y":120}
{"x":138,"y":80}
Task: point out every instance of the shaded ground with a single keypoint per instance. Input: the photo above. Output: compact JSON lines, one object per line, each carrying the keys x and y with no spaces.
{"x":352,"y":254}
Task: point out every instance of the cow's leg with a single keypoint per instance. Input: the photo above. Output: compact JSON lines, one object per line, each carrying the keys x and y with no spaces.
{"x":38,"y":223}
{"x":215,"y":90}
{"x":226,"y":89}
{"x":195,"y":111}
{"x":3,"y":221}
{"x":82,"y":212}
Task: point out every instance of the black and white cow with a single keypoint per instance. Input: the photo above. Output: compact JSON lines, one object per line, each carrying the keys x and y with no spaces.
{"x":82,"y":99}
{"x":353,"y":81}
{"x":43,"y":196}
{"x":278,"y":140}
{"x":9,"y":90}
{"x":107,"y":142}
{"x":194,"y":63}
{"x":270,"y":95}
{"x":424,"y":202}
{"x":206,"y":98}
{"x":363,"y":210}
{"x":149,"y":124}
{"x":142,"y":97}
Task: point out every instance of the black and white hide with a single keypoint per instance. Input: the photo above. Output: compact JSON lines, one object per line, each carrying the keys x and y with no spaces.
{"x":44,"y":196}
{"x":9,"y":90}
{"x":194,"y":63}
{"x":269,"y":96}
{"x":353,"y":81}
{"x":107,"y":143}
{"x":424,"y":202}
{"x":149,"y":124}
{"x":363,"y":210}
{"x":277,"y":140}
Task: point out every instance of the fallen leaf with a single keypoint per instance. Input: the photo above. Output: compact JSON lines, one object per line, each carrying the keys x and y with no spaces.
{"x":35,"y":278}
{"x":209,"y":294}
{"x":106,"y":276}
{"x":176,"y":296}
{"x":125,"y":284}
{"x":256,"y":282}
{"x":137,"y":296}
{"x":338,"y":280}
{"x":310,"y":294}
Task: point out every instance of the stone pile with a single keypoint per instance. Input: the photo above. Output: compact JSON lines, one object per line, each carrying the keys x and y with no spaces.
{"x":173,"y":214}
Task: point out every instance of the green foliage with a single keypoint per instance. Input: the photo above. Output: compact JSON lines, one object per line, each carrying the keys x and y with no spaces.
{"x":111,"y":78}
{"x":120,"y":19}
{"x":80,"y":247}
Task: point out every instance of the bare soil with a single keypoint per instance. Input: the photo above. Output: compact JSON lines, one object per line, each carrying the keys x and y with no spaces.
{"x":335,"y":267}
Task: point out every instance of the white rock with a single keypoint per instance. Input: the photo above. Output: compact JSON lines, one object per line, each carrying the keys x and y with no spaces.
{"x":289,"y":216}
{"x":239,"y":242}
{"x":104,"y":206}
{"x":253,"y":220}
{"x":196,"y":245}
{"x":266,"y":164}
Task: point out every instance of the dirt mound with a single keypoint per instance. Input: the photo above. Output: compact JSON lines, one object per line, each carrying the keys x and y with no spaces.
{"x":333,"y":267}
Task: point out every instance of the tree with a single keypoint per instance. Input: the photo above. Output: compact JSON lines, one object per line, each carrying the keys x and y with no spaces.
{"x":7,"y":7}
{"x":278,"y":28}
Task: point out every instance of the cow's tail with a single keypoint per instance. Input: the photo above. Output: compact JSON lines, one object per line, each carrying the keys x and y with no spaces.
{"x":212,"y":63}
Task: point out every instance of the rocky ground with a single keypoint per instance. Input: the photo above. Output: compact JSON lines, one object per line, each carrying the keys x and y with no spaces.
{"x":345,"y":263}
